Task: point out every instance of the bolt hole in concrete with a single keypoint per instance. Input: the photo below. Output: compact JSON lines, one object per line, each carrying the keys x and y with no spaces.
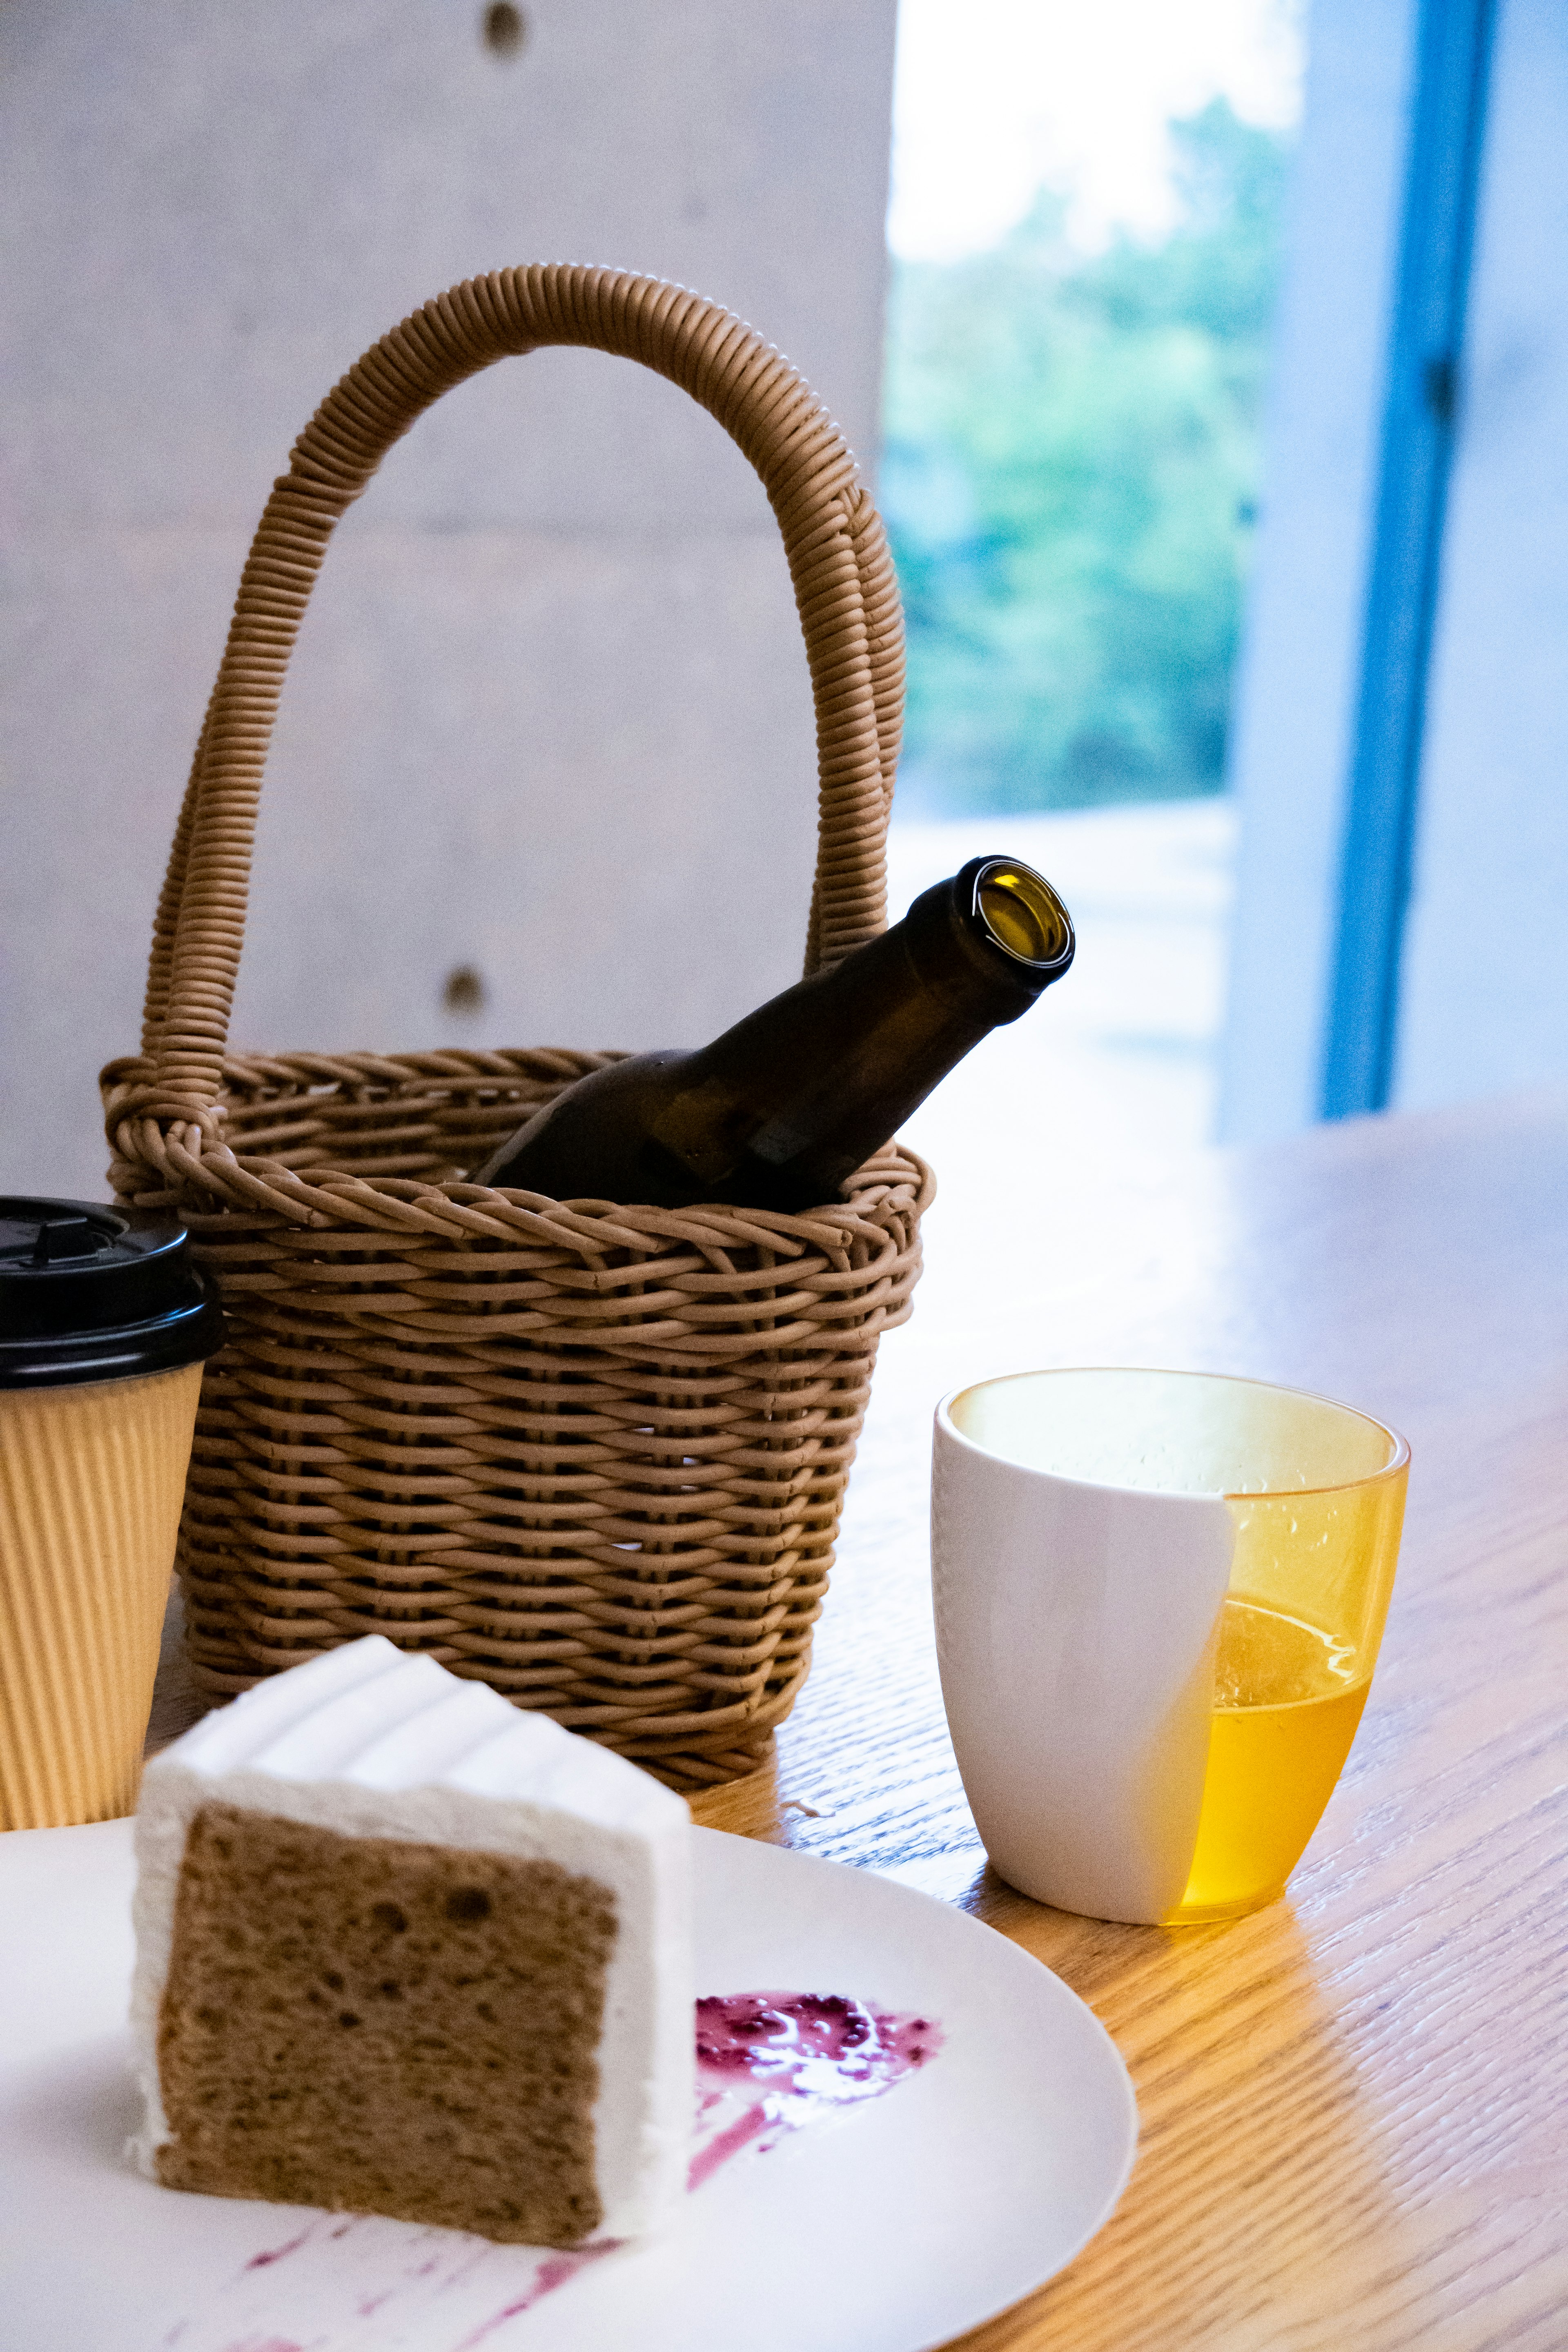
{"x":505,"y":28}
{"x":464,"y":991}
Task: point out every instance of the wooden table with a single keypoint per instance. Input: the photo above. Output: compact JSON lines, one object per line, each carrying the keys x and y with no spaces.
{"x":1352,"y":2102}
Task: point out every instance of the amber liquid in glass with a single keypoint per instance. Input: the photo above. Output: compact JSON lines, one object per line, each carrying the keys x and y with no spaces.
{"x":1287,"y":1698}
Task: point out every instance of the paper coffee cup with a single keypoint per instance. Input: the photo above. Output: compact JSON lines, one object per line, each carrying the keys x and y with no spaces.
{"x":104,"y":1325}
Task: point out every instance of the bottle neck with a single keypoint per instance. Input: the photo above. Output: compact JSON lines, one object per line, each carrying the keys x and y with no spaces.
{"x":824,"y":1074}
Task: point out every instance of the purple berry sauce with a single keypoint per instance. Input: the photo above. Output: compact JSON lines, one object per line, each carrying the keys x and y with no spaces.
{"x":768,"y":2062}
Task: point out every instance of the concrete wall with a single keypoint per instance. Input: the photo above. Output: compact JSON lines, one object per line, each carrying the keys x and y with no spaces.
{"x":550,"y":716}
{"x":1484,"y":986}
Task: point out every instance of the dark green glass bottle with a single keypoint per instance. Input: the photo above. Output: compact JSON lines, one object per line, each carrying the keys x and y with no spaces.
{"x":779,"y":1110}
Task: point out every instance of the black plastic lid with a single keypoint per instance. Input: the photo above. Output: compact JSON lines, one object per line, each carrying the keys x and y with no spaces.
{"x":98,"y":1294}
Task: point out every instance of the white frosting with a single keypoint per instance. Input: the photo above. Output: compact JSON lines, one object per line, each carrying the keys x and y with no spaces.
{"x":371,"y":1743}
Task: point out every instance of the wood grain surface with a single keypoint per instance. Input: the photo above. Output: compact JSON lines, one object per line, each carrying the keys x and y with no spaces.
{"x":1351,"y":2102}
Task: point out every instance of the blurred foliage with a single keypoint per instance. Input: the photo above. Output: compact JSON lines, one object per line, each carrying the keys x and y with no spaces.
{"x":1069,"y":478}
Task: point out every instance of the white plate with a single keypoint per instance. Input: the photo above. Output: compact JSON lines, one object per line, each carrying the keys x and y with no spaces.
{"x":888,"y":2228}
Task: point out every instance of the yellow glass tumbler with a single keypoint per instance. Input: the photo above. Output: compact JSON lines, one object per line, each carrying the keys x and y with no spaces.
{"x":1317,"y":1493}
{"x":1159,"y":1599}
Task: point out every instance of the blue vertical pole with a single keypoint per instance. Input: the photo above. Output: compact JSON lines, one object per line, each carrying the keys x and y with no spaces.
{"x":1454,"y":46}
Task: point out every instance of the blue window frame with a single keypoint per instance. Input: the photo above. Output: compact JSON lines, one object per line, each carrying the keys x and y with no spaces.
{"x":1424,"y":373}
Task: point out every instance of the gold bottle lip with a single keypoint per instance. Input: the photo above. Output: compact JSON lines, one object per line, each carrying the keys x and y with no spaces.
{"x":1022,"y":914}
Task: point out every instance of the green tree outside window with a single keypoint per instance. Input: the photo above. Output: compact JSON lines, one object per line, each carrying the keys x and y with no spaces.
{"x":1070,"y":477}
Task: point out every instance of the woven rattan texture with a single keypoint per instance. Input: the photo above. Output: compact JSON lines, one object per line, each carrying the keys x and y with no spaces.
{"x":592,"y":1454}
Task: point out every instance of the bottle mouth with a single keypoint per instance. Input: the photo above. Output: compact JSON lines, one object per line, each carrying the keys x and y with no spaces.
{"x":1023,"y":914}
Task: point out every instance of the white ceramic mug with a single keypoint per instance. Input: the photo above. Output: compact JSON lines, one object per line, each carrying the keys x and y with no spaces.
{"x":1085,"y":1525}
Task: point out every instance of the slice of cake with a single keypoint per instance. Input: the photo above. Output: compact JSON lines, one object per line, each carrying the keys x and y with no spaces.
{"x":401,"y":1949}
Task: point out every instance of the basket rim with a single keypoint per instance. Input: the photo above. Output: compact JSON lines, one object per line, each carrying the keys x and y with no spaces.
{"x":186,"y":1163}
{"x":894,"y":1187}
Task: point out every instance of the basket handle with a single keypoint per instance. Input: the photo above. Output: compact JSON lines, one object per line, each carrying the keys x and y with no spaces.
{"x":844,"y":582}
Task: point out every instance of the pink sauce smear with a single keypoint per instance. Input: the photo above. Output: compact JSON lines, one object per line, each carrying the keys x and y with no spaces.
{"x":768,"y":2062}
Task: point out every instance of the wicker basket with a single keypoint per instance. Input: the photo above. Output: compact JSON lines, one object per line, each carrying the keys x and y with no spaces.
{"x":593,"y":1455}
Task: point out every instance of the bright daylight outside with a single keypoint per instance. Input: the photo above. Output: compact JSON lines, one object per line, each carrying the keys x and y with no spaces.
{"x":1086,"y":233}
